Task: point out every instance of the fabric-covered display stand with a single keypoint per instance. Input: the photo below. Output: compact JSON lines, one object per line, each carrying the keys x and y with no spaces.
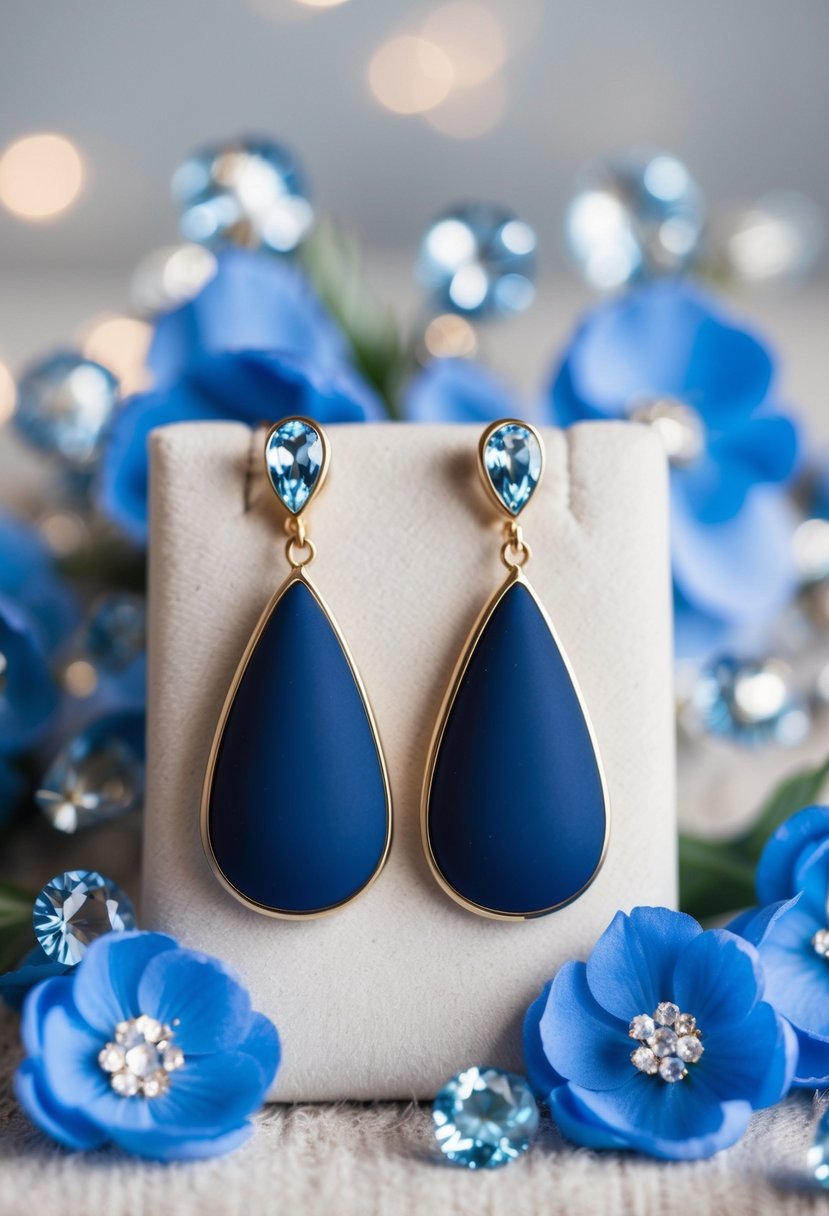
{"x":389,"y":996}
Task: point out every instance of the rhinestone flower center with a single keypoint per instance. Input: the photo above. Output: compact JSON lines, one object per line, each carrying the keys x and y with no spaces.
{"x":820,"y":943}
{"x":668,"y":1041}
{"x":678,"y":425}
{"x":141,"y":1057}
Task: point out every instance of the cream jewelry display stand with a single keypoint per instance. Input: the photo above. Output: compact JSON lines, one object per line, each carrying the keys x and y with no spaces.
{"x":393,"y":994}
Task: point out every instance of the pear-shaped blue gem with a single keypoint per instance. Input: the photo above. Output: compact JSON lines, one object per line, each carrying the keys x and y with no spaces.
{"x":517,"y":814}
{"x":294,"y":457}
{"x":485,"y":1118}
{"x":512,"y":463}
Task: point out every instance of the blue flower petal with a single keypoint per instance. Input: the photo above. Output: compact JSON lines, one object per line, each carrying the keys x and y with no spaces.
{"x":40,"y":999}
{"x":783,"y":850}
{"x":631,"y":967}
{"x":718,"y":978}
{"x":253,"y":302}
{"x":28,"y":576}
{"x":766,"y":447}
{"x":456,"y":390}
{"x":166,"y":1146}
{"x":578,"y":1124}
{"x":755,"y":923}
{"x":812,"y":1069}
{"x":69,"y":1060}
{"x":697,"y":633}
{"x":583,"y":1043}
{"x":68,"y":1127}
{"x":751,"y":1059}
{"x":542,"y":1077}
{"x":797,"y":979}
{"x":262,"y":1042}
{"x":208,"y":1095}
{"x":106,"y":983}
{"x":741,"y":569}
{"x":811,"y":879}
{"x":200,"y":996}
{"x":28,"y":695}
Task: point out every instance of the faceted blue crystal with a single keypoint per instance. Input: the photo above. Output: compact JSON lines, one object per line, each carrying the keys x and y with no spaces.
{"x":74,"y":909}
{"x":293,"y":457}
{"x":749,"y":701}
{"x":64,"y":405}
{"x":485,"y":1118}
{"x":478,"y":260}
{"x":250,"y":192}
{"x":512,"y":461}
{"x":116,"y":631}
{"x":97,"y":775}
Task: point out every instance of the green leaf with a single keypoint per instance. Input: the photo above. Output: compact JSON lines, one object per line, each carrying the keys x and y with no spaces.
{"x":332,"y":260}
{"x":15,"y":924}
{"x":791,"y":795}
{"x":714,"y":878}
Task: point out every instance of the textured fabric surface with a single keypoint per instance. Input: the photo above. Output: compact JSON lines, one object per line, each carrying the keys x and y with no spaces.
{"x":389,"y":996}
{"x":359,"y":1160}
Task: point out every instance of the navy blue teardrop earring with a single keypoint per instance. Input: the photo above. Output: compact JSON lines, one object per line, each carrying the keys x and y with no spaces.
{"x":515,"y":813}
{"x":296,"y":806}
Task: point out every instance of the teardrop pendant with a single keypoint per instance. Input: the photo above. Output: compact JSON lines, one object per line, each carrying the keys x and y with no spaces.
{"x":296,"y":807}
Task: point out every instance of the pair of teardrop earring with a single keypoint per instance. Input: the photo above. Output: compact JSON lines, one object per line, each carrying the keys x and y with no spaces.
{"x":296,"y":813}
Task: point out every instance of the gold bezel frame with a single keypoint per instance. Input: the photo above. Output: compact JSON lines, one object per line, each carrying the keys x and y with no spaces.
{"x":297,"y":575}
{"x":326,"y":460}
{"x":490,"y":488}
{"x":515,"y":576}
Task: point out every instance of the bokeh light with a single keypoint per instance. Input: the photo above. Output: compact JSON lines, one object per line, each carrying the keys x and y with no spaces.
{"x":449,"y":336}
{"x":779,"y":237}
{"x":121,"y":344}
{"x":170,"y":276}
{"x":80,"y":679}
{"x":40,"y":176}
{"x":471,"y":37}
{"x":8,"y":394}
{"x":410,"y":75}
{"x":470,"y":113}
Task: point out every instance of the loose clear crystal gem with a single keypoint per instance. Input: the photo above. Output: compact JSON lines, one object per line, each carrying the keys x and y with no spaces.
{"x":478,"y":260}
{"x":666,"y":1013}
{"x":662,"y":1042}
{"x":678,"y":426}
{"x":686,"y":1023}
{"x":750,"y":702}
{"x":689,"y":1048}
{"x":820,"y":943}
{"x":484,"y":1118}
{"x":642,"y":1027}
{"x":249,"y":193}
{"x":671,"y":1069}
{"x":294,"y":455}
{"x":116,"y":631}
{"x":512,"y":462}
{"x":74,"y":909}
{"x":97,"y":776}
{"x":141,"y":1057}
{"x":818,"y":1155}
{"x":644,"y":1059}
{"x":64,"y":405}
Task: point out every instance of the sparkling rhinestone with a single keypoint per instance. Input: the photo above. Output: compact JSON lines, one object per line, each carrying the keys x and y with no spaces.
{"x":116,"y":631}
{"x":512,"y":462}
{"x":173,"y":1058}
{"x":820,"y":943}
{"x":111,"y":1057}
{"x":642,"y":1027}
{"x":662,"y":1042}
{"x":750,"y":702}
{"x":64,"y":405}
{"x":251,"y":192}
{"x":126,"y":1084}
{"x":143,"y":1059}
{"x":644,"y":1059}
{"x":484,"y":1118}
{"x":686,"y":1023}
{"x":672,"y":1069}
{"x":155,"y":1084}
{"x":74,"y":909}
{"x":97,"y":776}
{"x":478,"y":260}
{"x":689,"y":1048}
{"x":666,"y":1013}
{"x":678,"y":426}
{"x":294,"y":456}
{"x":151,"y":1029}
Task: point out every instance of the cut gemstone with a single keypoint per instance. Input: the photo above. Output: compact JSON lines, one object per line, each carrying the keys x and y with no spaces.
{"x":689,"y":1048}
{"x":671,"y":1069}
{"x":820,"y":943}
{"x":666,"y":1013}
{"x":141,"y":1058}
{"x":484,"y":1118}
{"x":116,"y":631}
{"x":97,"y":775}
{"x":294,"y":458}
{"x":662,"y":1042}
{"x":686,"y":1023}
{"x":644,"y":1059}
{"x":74,"y":909}
{"x":512,"y":462}
{"x":642,"y":1027}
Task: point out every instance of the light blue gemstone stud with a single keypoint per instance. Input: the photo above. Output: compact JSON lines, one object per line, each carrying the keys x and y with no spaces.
{"x":484,"y":1118}
{"x":512,"y":462}
{"x":295,"y":460}
{"x":74,"y":909}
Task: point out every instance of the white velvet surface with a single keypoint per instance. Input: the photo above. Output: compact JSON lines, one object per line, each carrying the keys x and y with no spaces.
{"x":388,"y":997}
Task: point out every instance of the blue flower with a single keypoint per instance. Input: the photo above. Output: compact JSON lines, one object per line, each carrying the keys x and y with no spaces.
{"x":34,"y":967}
{"x":29,"y":578}
{"x":28,"y":694}
{"x":456,"y":390}
{"x":13,"y":786}
{"x":615,"y":1083}
{"x":255,"y":344}
{"x":149,"y":1045}
{"x":667,"y":354}
{"x":790,"y":934}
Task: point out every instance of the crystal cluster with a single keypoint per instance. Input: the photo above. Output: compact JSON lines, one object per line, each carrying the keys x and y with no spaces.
{"x":668,"y":1041}
{"x":141,"y":1057}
